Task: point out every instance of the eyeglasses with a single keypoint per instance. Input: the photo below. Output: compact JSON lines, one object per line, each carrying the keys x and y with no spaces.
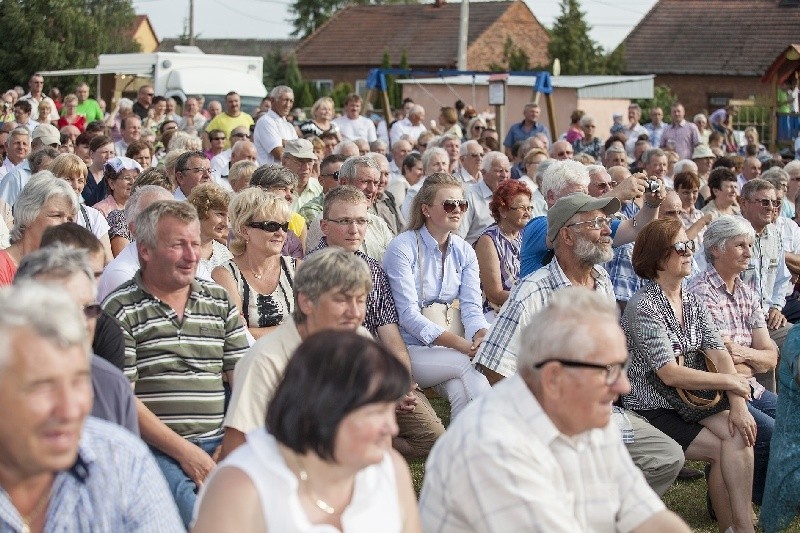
{"x":684,"y":248}
{"x":451,"y":205}
{"x":92,"y":310}
{"x":476,"y":156}
{"x":346,"y":222}
{"x":613,"y":371}
{"x":479,"y":128}
{"x":202,"y":170}
{"x":217,"y":138}
{"x":270,"y":226}
{"x":767,"y":203}
{"x":526,"y":208}
{"x":607,"y":185}
{"x":594,"y":223}
{"x":334,"y":175}
{"x":245,"y":135}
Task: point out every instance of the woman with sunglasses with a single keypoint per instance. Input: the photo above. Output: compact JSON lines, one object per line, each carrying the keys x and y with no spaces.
{"x":429,"y":265}
{"x":258,"y":278}
{"x":498,"y":248}
{"x":216,"y":146}
{"x":474,"y":129}
{"x":663,"y":320}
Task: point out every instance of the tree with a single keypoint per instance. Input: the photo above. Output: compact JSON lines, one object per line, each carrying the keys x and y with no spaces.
{"x":308,"y":15}
{"x":571,"y":43}
{"x":663,"y":97}
{"x":61,"y":34}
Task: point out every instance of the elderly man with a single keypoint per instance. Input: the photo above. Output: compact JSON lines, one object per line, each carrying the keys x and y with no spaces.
{"x":655,"y":128}
{"x":452,"y":145}
{"x":561,"y":150}
{"x":36,"y":95}
{"x":131,"y":129}
{"x":363,"y":173}
{"x":496,"y":168}
{"x":273,"y":130}
{"x":383,"y":203}
{"x":88,"y":107}
{"x":470,"y":159}
{"x":539,"y":452}
{"x":181,"y":335}
{"x":231,"y":118}
{"x":565,"y":177}
{"x":328,"y":178}
{"x":299,"y":157}
{"x":615,"y":156}
{"x":681,"y":136}
{"x":191,"y":169}
{"x":18,"y":147}
{"x":418,"y":423}
{"x":529,"y":127}
{"x":633,"y":129}
{"x":411,"y":126}
{"x":144,"y":99}
{"x":192,"y":120}
{"x":352,"y":125}
{"x":242,"y":150}
{"x":400,"y":149}
{"x":54,"y":455}
{"x":330,"y":292}
{"x":655,"y":165}
{"x":751,"y":169}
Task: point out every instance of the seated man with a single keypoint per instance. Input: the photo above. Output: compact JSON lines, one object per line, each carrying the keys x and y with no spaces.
{"x":181,"y":335}
{"x":495,"y":168}
{"x":62,"y":470}
{"x":539,"y":452}
{"x":330,"y":292}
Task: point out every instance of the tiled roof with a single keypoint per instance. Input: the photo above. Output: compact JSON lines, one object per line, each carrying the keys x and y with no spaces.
{"x":359,"y":35}
{"x":236,"y":47}
{"x":713,"y":37}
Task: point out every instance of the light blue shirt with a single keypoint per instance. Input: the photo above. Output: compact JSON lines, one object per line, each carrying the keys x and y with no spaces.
{"x":13,"y":182}
{"x":114,"y":485}
{"x":449,"y":276}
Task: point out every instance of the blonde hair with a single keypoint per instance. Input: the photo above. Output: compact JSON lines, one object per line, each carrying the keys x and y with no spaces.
{"x":426,"y":194}
{"x":67,"y":165}
{"x":250,"y":203}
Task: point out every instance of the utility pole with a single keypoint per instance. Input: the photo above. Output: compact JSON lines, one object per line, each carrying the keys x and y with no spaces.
{"x":191,"y":22}
{"x":463,"y":30}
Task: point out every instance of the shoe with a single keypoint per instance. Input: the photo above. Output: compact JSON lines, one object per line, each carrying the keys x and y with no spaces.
{"x":689,"y":474}
{"x":709,"y":507}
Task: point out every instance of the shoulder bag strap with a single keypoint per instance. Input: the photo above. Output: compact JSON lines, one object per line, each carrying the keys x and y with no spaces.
{"x":421,"y":267}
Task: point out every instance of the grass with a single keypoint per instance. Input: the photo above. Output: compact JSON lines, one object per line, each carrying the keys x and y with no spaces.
{"x":685,"y":498}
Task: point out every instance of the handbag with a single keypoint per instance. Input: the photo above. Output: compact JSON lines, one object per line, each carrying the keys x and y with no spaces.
{"x":692,"y":405}
{"x":445,"y":315}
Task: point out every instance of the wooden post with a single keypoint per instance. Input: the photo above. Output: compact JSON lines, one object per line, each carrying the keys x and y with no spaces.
{"x":551,"y":115}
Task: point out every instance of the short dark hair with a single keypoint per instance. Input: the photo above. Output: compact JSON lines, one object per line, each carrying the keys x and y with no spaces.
{"x":24,"y":105}
{"x":95,"y":126}
{"x":724,"y":161}
{"x":183,"y":159}
{"x":717,"y":176}
{"x":72,"y":235}
{"x":653,"y":246}
{"x":330,"y":375}
{"x":686,"y":180}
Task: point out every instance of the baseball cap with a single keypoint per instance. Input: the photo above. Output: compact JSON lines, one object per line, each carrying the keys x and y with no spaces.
{"x":47,"y":133}
{"x":118,"y":164}
{"x":300,"y":148}
{"x":568,"y":206}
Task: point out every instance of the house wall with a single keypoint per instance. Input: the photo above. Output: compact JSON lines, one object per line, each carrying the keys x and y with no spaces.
{"x":518,"y":23}
{"x":146,"y":38}
{"x":694,"y":91}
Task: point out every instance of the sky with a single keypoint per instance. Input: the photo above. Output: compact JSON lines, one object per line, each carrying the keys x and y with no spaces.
{"x":611,"y":20}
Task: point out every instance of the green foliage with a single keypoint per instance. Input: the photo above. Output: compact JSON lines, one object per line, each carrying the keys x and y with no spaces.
{"x":274,"y":69}
{"x":305,"y":97}
{"x":340,"y":92}
{"x":575,"y":49}
{"x":663,"y":97}
{"x":61,"y":34}
{"x":308,"y":15}
{"x":514,"y":58}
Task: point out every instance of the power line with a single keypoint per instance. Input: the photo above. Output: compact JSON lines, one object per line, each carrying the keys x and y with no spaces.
{"x":249,"y":15}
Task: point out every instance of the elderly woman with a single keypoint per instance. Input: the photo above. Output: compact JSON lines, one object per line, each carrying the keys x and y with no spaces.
{"x":724,"y":192}
{"x":590,"y":143}
{"x":332,"y":423}
{"x":113,"y":121}
{"x":474,"y":129}
{"x":662,"y":321}
{"x":141,"y":152}
{"x":687,"y":185}
{"x":736,"y":309}
{"x":498,"y":248}
{"x":211,"y":202}
{"x":118,"y":229}
{"x":71,"y":168}
{"x":44,"y":201}
{"x":101,"y":149}
{"x":69,"y":114}
{"x":118,"y":177}
{"x":240,"y":174}
{"x":258,"y":278}
{"x":703,"y":128}
{"x":433,"y":274}
{"x":43,"y":112}
{"x":281,"y":182}
{"x":321,"y":119}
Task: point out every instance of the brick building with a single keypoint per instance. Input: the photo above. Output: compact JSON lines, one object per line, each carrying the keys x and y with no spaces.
{"x":711,"y":51}
{"x":355,"y":39}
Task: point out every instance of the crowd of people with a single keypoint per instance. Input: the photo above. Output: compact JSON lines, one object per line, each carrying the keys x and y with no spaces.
{"x":221,"y":321}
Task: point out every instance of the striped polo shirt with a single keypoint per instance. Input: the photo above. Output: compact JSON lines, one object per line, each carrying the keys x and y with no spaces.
{"x":176,"y":366}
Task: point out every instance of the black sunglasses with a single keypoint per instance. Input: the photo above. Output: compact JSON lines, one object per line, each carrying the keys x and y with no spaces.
{"x":270,"y":225}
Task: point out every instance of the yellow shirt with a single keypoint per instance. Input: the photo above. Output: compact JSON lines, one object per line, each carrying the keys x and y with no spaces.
{"x":226,"y":123}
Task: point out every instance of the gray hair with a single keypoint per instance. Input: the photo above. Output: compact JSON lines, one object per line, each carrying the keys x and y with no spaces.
{"x":596,"y":169}
{"x":57,"y":261}
{"x":721,"y":230}
{"x":551,"y":333}
{"x":342,"y":145}
{"x":272,"y":176}
{"x":278,"y":90}
{"x":447,"y":137}
{"x":349,"y":168}
{"x":125,"y":103}
{"x":586,"y":120}
{"x":140,"y":198}
{"x":38,"y":191}
{"x":465,"y":146}
{"x":327,"y":270}
{"x":561,"y":174}
{"x":777,"y":176}
{"x":38,"y":160}
{"x":490,"y":158}
{"x":416,"y":110}
{"x":378,"y":144}
{"x":755,"y":185}
{"x":541,"y":169}
{"x":183,"y":141}
{"x":684,"y":165}
{"x":241,"y":170}
{"x":52,"y":315}
{"x":19,"y":131}
{"x":428,"y":155}
{"x":147,"y":221}
{"x":648,"y":155}
{"x":792,"y":165}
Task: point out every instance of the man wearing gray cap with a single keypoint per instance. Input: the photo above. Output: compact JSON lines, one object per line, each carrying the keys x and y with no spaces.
{"x":580,"y":230}
{"x":299,"y":157}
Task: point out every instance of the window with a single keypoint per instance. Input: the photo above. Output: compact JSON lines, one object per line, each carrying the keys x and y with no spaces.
{"x":324,"y":87}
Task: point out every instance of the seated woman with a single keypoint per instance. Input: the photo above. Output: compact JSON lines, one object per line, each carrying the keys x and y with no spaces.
{"x":724,"y":192}
{"x":411,"y":168}
{"x":736,"y":309}
{"x":661,"y":321}
{"x":474,"y":129}
{"x":141,"y":152}
{"x":498,"y":248}
{"x":324,"y":462}
{"x":118,"y":176}
{"x":258,"y":278}
{"x":322,"y":114}
{"x":752,"y":143}
{"x":687,"y":185}
{"x":211,"y":202}
{"x":282,"y":182}
{"x":428,"y":266}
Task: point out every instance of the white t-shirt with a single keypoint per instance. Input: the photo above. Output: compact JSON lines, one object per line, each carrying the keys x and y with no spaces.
{"x":360,"y":128}
{"x":271,"y":130}
{"x":97,"y":222}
